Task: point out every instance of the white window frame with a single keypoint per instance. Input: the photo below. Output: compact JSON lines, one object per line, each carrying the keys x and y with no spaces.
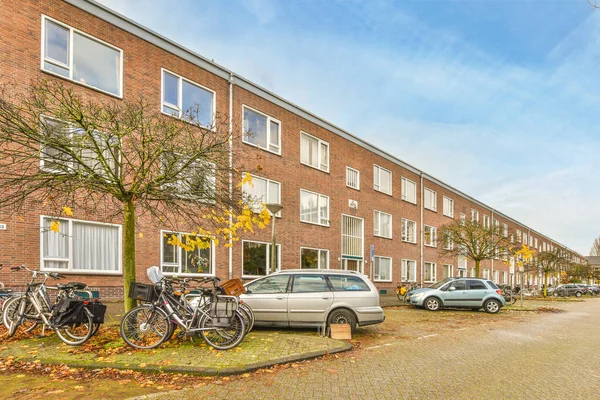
{"x":433,"y":235}
{"x":377,"y":179}
{"x":496,"y":276}
{"x":535,"y":243}
{"x":70,"y":56}
{"x":474,"y":215}
{"x":320,"y":197}
{"x":377,"y":227}
{"x":405,"y":270}
{"x":486,"y":273}
{"x":181,"y":251}
{"x":451,"y":270}
{"x":69,"y":269}
{"x":448,"y":207}
{"x":405,"y":235}
{"x":320,"y":142}
{"x":486,"y":221}
{"x":268,"y":258}
{"x":430,"y":199}
{"x":505,"y":230}
{"x":319,"y":261}
{"x":377,"y":278}
{"x":267,"y":199}
{"x":348,"y":183}
{"x":360,"y":256}
{"x":180,"y":97}
{"x":269,"y":120}
{"x":519,"y":236}
{"x":433,"y":271}
{"x":448,"y":243}
{"x":462,"y":218}
{"x":405,"y":196}
{"x":212,"y":179}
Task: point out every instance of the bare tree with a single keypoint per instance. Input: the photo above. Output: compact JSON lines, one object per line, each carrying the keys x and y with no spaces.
{"x":119,"y":159}
{"x":595,"y":250}
{"x":593,"y":3}
{"x":550,"y":262}
{"x":474,"y":241}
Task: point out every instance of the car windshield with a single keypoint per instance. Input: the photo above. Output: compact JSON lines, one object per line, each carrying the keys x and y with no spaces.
{"x":441,"y":283}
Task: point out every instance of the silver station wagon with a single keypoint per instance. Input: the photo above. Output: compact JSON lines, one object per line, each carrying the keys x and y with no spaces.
{"x":313,"y":298}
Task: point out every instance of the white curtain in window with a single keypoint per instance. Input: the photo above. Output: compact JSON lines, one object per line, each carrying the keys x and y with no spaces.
{"x":309,"y":149}
{"x":95,"y":247}
{"x":55,"y":244}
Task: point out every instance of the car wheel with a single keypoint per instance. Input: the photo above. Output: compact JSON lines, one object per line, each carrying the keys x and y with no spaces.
{"x":432,"y":303}
{"x":342,"y":316}
{"x":577,"y":294}
{"x":555,"y":294}
{"x":491,"y":306}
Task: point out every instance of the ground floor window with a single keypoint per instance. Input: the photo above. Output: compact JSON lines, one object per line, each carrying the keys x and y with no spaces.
{"x":350,"y":264}
{"x":409,"y":271}
{"x":176,"y":259}
{"x":430,"y":272}
{"x":504,"y":277}
{"x":314,"y":258}
{"x":486,"y":274}
{"x":70,"y":245}
{"x":256,"y":258}
{"x":473,"y":273}
{"x":496,"y":276}
{"x":448,"y":271}
{"x":382,"y":269}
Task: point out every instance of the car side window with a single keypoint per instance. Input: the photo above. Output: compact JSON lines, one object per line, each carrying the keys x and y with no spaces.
{"x":459,"y":285}
{"x":476,"y":285}
{"x":309,"y":284}
{"x":270,"y":284}
{"x":347,"y":283}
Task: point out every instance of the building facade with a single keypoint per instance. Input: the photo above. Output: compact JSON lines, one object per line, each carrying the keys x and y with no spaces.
{"x":347,"y":204}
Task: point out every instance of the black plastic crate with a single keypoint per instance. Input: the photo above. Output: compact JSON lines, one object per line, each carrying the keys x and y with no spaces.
{"x":142,"y":291}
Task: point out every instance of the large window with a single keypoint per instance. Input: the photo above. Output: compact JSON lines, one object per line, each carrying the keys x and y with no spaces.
{"x":314,"y":152}
{"x":430,"y":236}
{"x":382,"y":269}
{"x":474,"y":215}
{"x":353,"y":178}
{"x":256,"y":258}
{"x":430,"y":272}
{"x":382,"y":179}
{"x":314,"y":208}
{"x":197,"y":180}
{"x":505,"y":230}
{"x":92,"y":161}
{"x":409,"y":231}
{"x":409,"y":271}
{"x":382,"y":224}
{"x":486,"y":221}
{"x":448,"y":207}
{"x":430,"y":199}
{"x":80,"y":246}
{"x":519,"y":236}
{"x":188,"y":100}
{"x":352,"y":237}
{"x":448,"y":271}
{"x":261,"y":191}
{"x":262,"y":130}
{"x":314,"y":258}
{"x":80,"y":57}
{"x":448,"y":242}
{"x":409,"y":191}
{"x":177,"y":260}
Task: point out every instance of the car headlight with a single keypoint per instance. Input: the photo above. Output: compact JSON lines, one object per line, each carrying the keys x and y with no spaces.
{"x":417,"y":295}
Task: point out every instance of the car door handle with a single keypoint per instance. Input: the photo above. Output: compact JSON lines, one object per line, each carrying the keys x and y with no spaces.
{"x":280,"y":297}
{"x":325,"y":297}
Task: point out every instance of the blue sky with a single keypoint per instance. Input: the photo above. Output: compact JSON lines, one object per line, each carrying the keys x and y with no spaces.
{"x":500,"y":99}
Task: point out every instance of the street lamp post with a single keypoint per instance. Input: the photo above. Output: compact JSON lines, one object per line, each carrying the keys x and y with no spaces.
{"x":273,"y":208}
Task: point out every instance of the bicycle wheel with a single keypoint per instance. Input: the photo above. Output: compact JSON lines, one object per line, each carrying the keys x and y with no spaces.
{"x":16,"y":315}
{"x":145,"y":327}
{"x":29,"y":322}
{"x":223,"y":338}
{"x":248,"y":314}
{"x":78,"y":333}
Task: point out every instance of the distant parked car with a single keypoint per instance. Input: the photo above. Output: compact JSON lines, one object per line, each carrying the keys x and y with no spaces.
{"x":568,"y":289}
{"x":474,"y":293}
{"x":305,"y":297}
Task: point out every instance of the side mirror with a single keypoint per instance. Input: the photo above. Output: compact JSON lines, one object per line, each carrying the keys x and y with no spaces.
{"x":451,"y":289}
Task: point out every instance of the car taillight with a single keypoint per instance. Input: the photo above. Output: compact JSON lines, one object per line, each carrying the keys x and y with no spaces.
{"x":499,"y":291}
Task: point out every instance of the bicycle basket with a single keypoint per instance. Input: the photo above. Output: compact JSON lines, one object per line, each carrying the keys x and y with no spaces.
{"x":222,"y":311}
{"x":68,"y":312}
{"x":142,"y":291}
{"x":233,"y":287}
{"x":98,"y":310}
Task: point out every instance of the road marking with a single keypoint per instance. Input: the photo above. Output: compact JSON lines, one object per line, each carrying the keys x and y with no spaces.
{"x":426,"y":336}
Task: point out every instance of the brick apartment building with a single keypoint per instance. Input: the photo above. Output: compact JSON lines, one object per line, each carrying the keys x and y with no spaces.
{"x":341,"y":195}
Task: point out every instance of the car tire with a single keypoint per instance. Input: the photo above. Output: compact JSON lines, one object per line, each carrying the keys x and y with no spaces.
{"x":555,"y":294}
{"x":342,"y":316}
{"x":492,"y":306}
{"x":577,"y":294}
{"x":432,"y":303}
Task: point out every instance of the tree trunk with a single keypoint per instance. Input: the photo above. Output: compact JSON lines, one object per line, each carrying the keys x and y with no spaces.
{"x":477,"y":262}
{"x":129,"y":252}
{"x":545,"y":284}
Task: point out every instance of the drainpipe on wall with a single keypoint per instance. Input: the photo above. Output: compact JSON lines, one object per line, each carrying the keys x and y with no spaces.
{"x":422,"y":230}
{"x":491,"y":277}
{"x":230,"y":171}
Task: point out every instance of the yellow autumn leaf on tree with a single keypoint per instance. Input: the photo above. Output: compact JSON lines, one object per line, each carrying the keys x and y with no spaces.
{"x":67,"y":211}
{"x":141,"y":235}
{"x":55,"y":226}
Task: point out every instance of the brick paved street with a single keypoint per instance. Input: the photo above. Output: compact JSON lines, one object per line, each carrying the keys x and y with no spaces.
{"x":543,"y":356}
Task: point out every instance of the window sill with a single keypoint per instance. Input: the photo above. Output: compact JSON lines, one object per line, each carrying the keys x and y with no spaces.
{"x":315,"y":223}
{"x":382,"y":280}
{"x":406,"y":241}
{"x":261,"y":148}
{"x":381,"y":191}
{"x":353,"y":188}
{"x":431,"y":209}
{"x":120,"y":97}
{"x":187,"y":274}
{"x":212,"y":129}
{"x":430,"y":245}
{"x":383,"y":237}
{"x":83,"y":272}
{"x":410,"y":202}
{"x":449,"y":216}
{"x":313,"y":167}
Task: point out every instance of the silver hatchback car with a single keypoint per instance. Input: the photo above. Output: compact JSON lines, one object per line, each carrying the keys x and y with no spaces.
{"x":303,"y":298}
{"x":474,"y":293}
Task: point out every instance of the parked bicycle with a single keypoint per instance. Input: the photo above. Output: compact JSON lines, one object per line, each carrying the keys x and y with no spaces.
{"x":5,"y":294}
{"x":403,"y":290}
{"x":73,"y":319}
{"x":215,"y":317}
